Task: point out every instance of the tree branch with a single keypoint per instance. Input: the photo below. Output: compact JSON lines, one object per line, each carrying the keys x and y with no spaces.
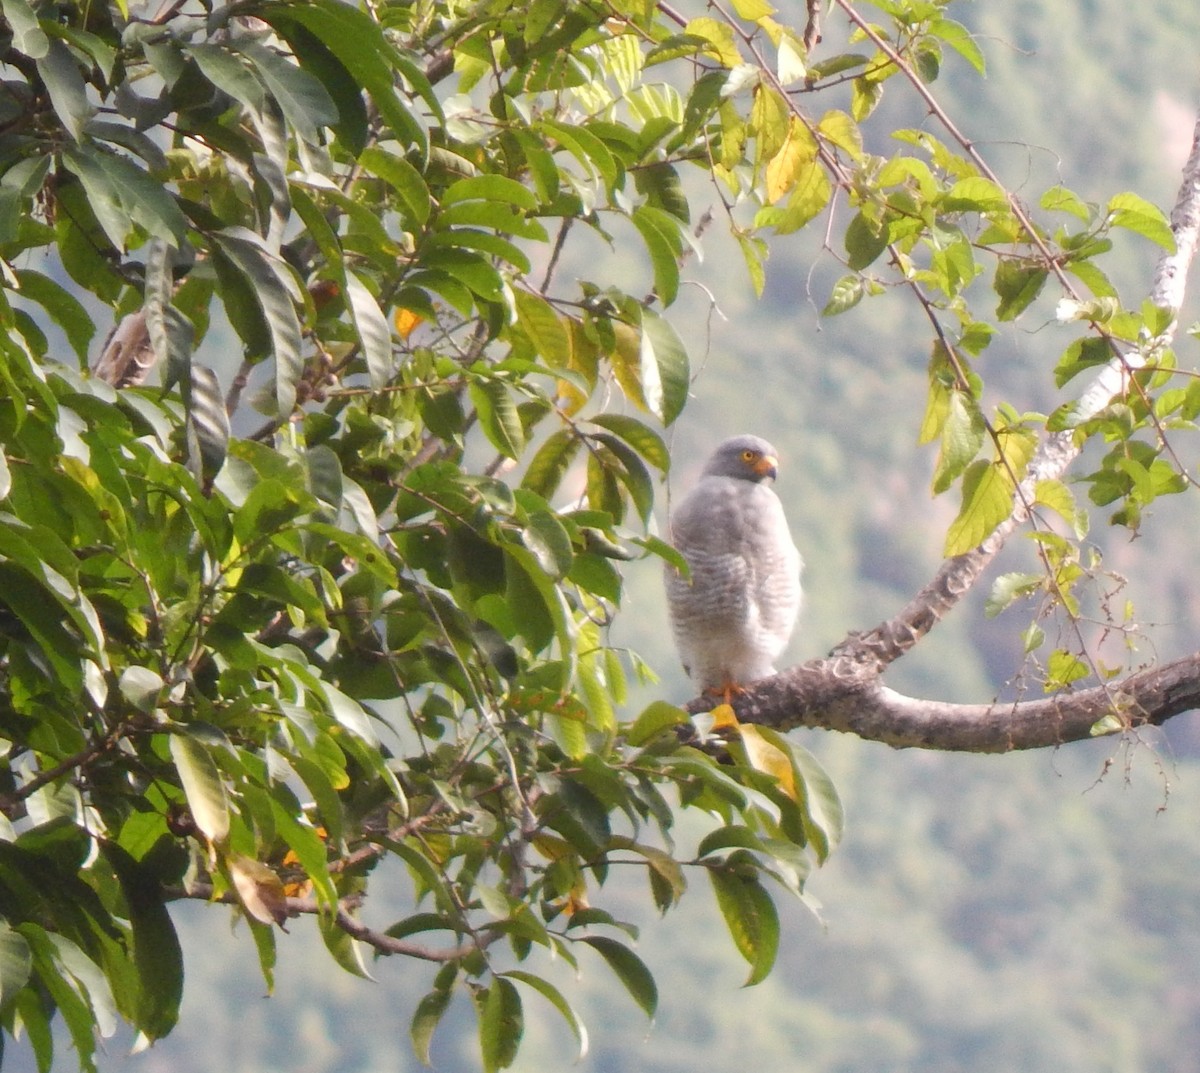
{"x":844,"y":691}
{"x":833,"y":694}
{"x":345,"y":920}
{"x":956,"y":576}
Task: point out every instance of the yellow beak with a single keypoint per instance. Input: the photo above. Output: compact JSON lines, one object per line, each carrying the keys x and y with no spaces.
{"x":767,"y":466}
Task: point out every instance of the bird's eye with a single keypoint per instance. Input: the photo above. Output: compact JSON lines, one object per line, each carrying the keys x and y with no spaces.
{"x":749,"y":456}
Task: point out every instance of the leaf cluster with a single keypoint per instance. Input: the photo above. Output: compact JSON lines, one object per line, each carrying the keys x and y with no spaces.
{"x":344,"y":599}
{"x":266,"y":625}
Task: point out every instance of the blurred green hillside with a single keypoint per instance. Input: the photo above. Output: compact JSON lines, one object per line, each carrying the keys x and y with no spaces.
{"x":1038,"y":913}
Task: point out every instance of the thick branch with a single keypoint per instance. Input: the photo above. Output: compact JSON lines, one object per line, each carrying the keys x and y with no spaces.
{"x":836,"y":694}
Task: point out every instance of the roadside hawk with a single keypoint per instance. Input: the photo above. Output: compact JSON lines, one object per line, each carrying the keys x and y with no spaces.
{"x":734,"y":614}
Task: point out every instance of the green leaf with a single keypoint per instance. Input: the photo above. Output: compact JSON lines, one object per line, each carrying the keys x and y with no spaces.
{"x":753,"y":10}
{"x":824,"y":816}
{"x":665,"y":372}
{"x":551,"y":993}
{"x":986,"y":502}
{"x":142,"y":687}
{"x":544,"y":327}
{"x":68,"y":91}
{"x":962,"y":437}
{"x":549,"y":541}
{"x":246,"y":252}
{"x":43,"y":612}
{"x":491,"y":188}
{"x":643,"y":439}
{"x":16,"y":964}
{"x":631,"y":472}
{"x":28,"y":35}
{"x":549,"y":465}
{"x":864,"y":242}
{"x":59,"y":965}
{"x":1136,"y":214}
{"x":840,"y":129}
{"x":323,"y":789}
{"x":865,"y":94}
{"x":208,"y":423}
{"x":1008,"y":588}
{"x":975,"y":194}
{"x":846,"y":294}
{"x":1058,"y":497}
{"x":1083,"y":354}
{"x":303,"y":100}
{"x":349,"y":713}
{"x":959,"y":38}
{"x":663,"y":247}
{"x":657,"y":717}
{"x":1060,"y":199}
{"x":157,"y":954}
{"x":171,"y":334}
{"x":501,"y":1025}
{"x":122,"y":194}
{"x":1017,"y":285}
{"x":468,"y":238}
{"x":1111,"y":723}
{"x":202,"y":785}
{"x":630,"y":970}
{"x":663,"y":189}
{"x":469,"y":268}
{"x":344,"y":948}
{"x":101,"y":196}
{"x":402,"y":177}
{"x":425,"y":1019}
{"x":498,"y":416}
{"x":589,"y":150}
{"x":227,"y":72}
{"x":1064,"y":668}
{"x":718,"y":39}
{"x":359,"y":44}
{"x":318,"y":229}
{"x":751,"y":917}
{"x":63,"y":307}
{"x":373,"y":331}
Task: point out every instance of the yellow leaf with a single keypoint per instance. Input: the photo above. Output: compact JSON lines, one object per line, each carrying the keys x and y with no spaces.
{"x":626,"y":362}
{"x":406,"y":322}
{"x":798,"y":149}
{"x":753,"y":10}
{"x":576,"y":901}
{"x":721,"y":45}
{"x":723,"y":715}
{"x":768,"y":758}
{"x":840,"y":129}
{"x":769,"y":122}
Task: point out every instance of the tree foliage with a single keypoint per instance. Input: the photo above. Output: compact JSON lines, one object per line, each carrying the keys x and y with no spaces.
{"x":267,"y":629}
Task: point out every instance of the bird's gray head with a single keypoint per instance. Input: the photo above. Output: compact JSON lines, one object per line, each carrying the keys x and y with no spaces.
{"x":748,"y":458}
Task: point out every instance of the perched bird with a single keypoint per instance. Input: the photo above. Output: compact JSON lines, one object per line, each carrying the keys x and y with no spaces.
{"x":736,"y":611}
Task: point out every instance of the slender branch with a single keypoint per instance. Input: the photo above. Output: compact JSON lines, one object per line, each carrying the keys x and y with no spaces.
{"x":956,"y":576}
{"x":844,"y":692}
{"x":351,"y":925}
{"x":935,"y":108}
{"x":10,"y":804}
